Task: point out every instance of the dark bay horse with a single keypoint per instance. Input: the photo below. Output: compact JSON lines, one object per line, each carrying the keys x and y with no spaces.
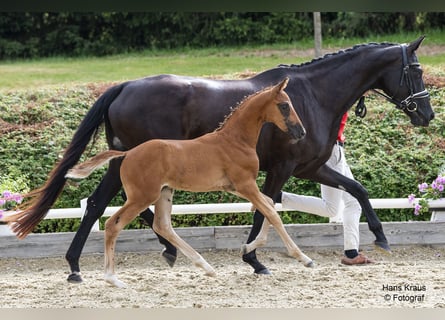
{"x":175,"y":107}
{"x":223,"y":160}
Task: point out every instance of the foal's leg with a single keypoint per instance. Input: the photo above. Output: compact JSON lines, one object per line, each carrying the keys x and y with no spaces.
{"x":169,"y":253}
{"x":259,"y":201}
{"x":260,"y":240}
{"x":162,"y":225}
{"x":113,"y":227}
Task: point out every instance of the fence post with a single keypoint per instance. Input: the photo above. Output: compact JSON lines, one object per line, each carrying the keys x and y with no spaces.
{"x":317,"y":34}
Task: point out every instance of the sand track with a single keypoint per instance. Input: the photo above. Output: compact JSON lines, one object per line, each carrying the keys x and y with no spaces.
{"x":416,"y":275}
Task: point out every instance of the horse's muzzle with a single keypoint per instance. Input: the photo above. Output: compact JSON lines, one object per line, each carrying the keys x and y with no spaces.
{"x":297,"y":133}
{"x":420,"y":120}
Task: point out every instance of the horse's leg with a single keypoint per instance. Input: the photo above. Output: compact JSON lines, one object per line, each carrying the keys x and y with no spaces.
{"x":261,"y":238}
{"x":169,"y":253}
{"x":329,"y":177}
{"x":251,"y":192}
{"x":275,"y":179}
{"x":113,"y":226}
{"x":96,"y":205}
{"x":250,"y":257}
{"x":162,"y":225}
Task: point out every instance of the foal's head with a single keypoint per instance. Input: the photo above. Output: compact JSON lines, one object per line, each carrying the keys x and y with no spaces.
{"x":283,"y":114}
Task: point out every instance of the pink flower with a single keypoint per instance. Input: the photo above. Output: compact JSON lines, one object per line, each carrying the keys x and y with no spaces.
{"x":8,"y":199}
{"x":423,"y":187}
{"x":17,"y":197}
{"x":417,"y":208}
{"x":434,"y":185}
{"x":7,"y":194}
{"x":440,"y":179}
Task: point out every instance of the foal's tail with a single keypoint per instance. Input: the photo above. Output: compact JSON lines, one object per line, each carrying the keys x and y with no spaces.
{"x":84,"y":169}
{"x":23,"y":222}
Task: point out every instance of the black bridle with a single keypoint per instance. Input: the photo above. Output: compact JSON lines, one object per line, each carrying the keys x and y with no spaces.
{"x":409,"y":104}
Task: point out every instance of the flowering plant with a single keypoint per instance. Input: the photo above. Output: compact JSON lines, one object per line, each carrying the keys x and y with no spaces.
{"x":9,"y":200}
{"x":432,"y":191}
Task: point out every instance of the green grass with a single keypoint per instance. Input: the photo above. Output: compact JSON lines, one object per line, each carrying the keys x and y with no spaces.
{"x":435,"y":37}
{"x":210,"y":62}
{"x":57,"y":71}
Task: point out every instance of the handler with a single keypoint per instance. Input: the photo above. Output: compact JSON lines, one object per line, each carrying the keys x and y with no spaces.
{"x":330,"y":203}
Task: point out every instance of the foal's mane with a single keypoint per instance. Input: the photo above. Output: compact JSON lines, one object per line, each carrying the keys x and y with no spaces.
{"x":338,"y":53}
{"x":240,"y":105}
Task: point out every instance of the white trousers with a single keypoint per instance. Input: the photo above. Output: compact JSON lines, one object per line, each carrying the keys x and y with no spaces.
{"x":339,"y":205}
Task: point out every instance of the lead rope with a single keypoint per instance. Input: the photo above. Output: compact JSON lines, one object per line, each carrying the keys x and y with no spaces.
{"x":360,"y":109}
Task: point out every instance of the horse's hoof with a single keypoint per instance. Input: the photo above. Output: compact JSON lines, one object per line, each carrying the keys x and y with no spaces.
{"x":309,"y":264}
{"x":74,"y":278}
{"x":113,"y":280}
{"x":263,"y":271}
{"x":211,"y":274}
{"x":169,"y":258}
{"x":382,"y":246}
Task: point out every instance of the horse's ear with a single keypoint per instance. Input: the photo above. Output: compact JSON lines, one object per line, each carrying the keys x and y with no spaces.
{"x":413,"y":46}
{"x":283,"y":84}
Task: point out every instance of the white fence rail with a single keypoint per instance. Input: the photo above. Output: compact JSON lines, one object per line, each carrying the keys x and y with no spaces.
{"x":215,"y":208}
{"x":212,"y":208}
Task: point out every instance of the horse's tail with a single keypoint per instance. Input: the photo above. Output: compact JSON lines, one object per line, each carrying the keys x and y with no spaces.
{"x":34,"y":210}
{"x":84,"y":169}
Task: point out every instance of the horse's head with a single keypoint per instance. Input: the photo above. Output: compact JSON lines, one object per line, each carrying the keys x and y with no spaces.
{"x":287,"y":119}
{"x":405,"y":87}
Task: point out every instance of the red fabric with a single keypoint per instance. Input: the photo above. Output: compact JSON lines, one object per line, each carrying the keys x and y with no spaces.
{"x":340,"y":136}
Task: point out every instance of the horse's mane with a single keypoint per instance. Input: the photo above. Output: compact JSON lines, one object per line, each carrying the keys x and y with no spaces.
{"x":326,"y":56}
{"x":340,"y":52}
{"x":239,"y":105}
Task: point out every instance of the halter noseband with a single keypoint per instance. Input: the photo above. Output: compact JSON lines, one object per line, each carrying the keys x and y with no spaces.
{"x":409,"y":103}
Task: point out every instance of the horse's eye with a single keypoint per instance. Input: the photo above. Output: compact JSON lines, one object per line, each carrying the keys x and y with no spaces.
{"x":418,"y":73}
{"x":284,"y":106}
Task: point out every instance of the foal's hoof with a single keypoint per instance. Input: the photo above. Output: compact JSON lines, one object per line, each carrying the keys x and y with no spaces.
{"x":114,"y":281}
{"x":382,"y":246}
{"x":211,"y":274}
{"x":263,"y":271}
{"x":169,"y":258}
{"x":309,"y":264}
{"x":74,"y":278}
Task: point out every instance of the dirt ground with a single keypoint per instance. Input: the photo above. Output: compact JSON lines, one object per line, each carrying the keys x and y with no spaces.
{"x":412,"y":277}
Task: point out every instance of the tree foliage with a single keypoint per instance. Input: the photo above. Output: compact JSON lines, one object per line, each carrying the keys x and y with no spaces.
{"x":45,"y":34}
